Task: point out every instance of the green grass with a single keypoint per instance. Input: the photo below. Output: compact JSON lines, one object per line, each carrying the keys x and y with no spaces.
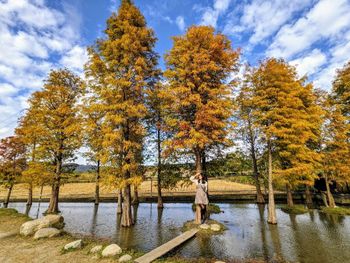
{"x":191,"y":224}
{"x":212,"y":208}
{"x":295,"y":209}
{"x":336,"y":210}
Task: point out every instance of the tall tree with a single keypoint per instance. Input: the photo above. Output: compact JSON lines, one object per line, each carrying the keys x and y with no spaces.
{"x":12,"y":163}
{"x":285,"y":109}
{"x":56,"y":112}
{"x":93,"y":116}
{"x":199,"y":107}
{"x":337,"y":133}
{"x":249,"y":129}
{"x":156,"y":130}
{"x":123,"y":64}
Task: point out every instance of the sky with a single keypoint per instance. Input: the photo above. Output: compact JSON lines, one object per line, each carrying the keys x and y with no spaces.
{"x":39,"y":35}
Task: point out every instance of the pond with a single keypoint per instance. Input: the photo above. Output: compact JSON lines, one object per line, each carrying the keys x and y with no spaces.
{"x":311,"y":237}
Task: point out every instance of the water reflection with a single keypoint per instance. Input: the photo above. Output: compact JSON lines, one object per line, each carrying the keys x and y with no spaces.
{"x":311,"y":237}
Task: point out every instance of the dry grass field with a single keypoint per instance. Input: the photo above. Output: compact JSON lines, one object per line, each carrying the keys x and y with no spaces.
{"x":71,"y":190}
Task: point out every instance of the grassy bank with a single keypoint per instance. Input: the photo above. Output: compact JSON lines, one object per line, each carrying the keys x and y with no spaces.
{"x":75,"y":190}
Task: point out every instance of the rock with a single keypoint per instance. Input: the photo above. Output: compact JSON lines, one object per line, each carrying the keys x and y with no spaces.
{"x":215,"y":227}
{"x":54,"y":220}
{"x":30,"y":227}
{"x":204,"y":226}
{"x":96,"y":249}
{"x":219,"y":262}
{"x":111,"y":250}
{"x":74,"y":245}
{"x":47,"y":232}
{"x":125,"y":258}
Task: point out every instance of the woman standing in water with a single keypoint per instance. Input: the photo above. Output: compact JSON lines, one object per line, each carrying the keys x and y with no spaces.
{"x":201,"y":201}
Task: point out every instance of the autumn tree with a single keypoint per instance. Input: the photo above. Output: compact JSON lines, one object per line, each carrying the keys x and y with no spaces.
{"x":123,"y":64}
{"x":199,"y":108}
{"x":29,"y":132}
{"x":12,"y":163}
{"x":337,"y":133}
{"x":289,"y":117}
{"x":249,"y":128}
{"x":57,"y":116}
{"x":93,"y":116}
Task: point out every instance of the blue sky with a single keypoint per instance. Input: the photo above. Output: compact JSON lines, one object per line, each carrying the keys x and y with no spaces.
{"x":37,"y":35}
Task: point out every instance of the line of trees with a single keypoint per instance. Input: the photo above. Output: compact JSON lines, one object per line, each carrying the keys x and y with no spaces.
{"x":191,"y":110}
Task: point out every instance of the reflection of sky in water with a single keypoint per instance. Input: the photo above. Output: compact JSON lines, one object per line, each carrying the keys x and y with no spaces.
{"x":312,"y":237}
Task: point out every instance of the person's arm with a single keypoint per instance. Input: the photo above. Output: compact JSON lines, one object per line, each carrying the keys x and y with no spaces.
{"x":194,"y":179}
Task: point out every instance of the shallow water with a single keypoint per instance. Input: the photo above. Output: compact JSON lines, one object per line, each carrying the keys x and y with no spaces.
{"x":311,"y":237}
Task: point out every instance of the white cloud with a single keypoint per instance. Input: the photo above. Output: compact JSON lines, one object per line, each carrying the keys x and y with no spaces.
{"x":309,"y":64}
{"x":340,"y":54}
{"x":211,"y":14}
{"x":180,"y":22}
{"x":34,"y":39}
{"x":263,"y":18}
{"x":75,"y":58}
{"x":327,"y":19}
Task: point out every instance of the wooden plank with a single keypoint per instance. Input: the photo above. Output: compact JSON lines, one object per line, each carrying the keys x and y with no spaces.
{"x":167,"y":247}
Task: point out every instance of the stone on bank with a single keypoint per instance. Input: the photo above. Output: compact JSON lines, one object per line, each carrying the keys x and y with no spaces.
{"x":30,"y":227}
{"x":46,"y":232}
{"x":74,"y":245}
{"x":111,"y":251}
{"x":125,"y":258}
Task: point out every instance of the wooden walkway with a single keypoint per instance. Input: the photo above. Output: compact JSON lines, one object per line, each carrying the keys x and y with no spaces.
{"x":167,"y":247}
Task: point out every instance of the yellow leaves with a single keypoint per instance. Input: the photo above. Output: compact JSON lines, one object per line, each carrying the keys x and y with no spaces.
{"x":198,"y":106}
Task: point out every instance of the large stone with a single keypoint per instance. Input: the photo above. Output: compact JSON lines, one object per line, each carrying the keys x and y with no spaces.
{"x":111,"y":251}
{"x":74,"y":245}
{"x":219,"y":262}
{"x":30,"y":227}
{"x":215,"y":227}
{"x":46,"y":232}
{"x":204,"y":226}
{"x":96,"y":249}
{"x":125,"y":258}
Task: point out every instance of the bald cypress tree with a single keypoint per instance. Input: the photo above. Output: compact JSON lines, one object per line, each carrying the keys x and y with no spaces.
{"x":120,"y":68}
{"x":198,"y":100}
{"x":337,"y":133}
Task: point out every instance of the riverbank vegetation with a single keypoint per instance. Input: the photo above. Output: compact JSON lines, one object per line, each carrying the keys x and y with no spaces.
{"x":186,"y":119}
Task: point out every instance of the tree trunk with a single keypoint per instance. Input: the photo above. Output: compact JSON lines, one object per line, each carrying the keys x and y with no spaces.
{"x":30,"y":195}
{"x":97,"y":186}
{"x":160,"y":204}
{"x":198,"y":164}
{"x":53,"y":205}
{"x":331,"y":202}
{"x":7,"y":200}
{"x":120,"y":202}
{"x":259,"y":195}
{"x":271,"y":207}
{"x":127,"y":219}
{"x":308,"y":197}
{"x":290,"y":202}
{"x":135,"y":200}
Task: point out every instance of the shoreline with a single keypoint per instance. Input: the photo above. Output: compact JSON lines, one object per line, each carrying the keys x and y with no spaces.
{"x":340,"y":199}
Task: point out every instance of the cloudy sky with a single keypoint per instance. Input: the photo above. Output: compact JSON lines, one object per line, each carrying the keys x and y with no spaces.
{"x":38,"y":35}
